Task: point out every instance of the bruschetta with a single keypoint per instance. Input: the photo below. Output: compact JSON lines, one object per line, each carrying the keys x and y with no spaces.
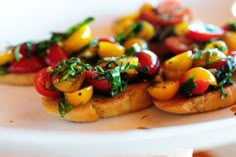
{"x":19,"y":64}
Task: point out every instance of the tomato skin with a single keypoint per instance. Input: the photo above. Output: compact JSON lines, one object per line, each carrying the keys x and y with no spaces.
{"x":149,"y":60}
{"x":27,"y":52}
{"x":54,"y":55}
{"x":201,"y":86}
{"x":148,"y":15}
{"x":204,"y":32}
{"x":172,"y":9}
{"x":42,"y":81}
{"x":26,"y":65}
{"x":98,"y":84}
{"x":178,"y":45}
{"x":218,"y":64}
{"x":109,"y":39}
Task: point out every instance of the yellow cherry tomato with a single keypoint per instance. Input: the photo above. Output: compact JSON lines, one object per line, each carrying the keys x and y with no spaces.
{"x":6,"y":57}
{"x":80,"y":97}
{"x":88,"y":53}
{"x":200,"y":73}
{"x":181,"y":29}
{"x":219,"y":44}
{"x":164,"y":90}
{"x":146,"y":7}
{"x":110,"y":49}
{"x":230,"y":39}
{"x":78,"y":39}
{"x":147,"y":32}
{"x":140,"y":42}
{"x":208,"y":57}
{"x":122,"y":25}
{"x":68,"y":85}
{"x":175,"y":67}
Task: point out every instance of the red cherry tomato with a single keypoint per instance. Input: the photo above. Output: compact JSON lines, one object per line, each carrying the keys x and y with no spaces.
{"x":201,"y":87}
{"x":27,"y":49}
{"x":204,"y":32}
{"x":148,"y":62}
{"x":98,"y":84}
{"x":109,"y":39}
{"x":218,"y":64}
{"x":150,"y":16}
{"x":26,"y":65}
{"x":171,"y":12}
{"x":42,"y":83}
{"x":54,"y":55}
{"x":178,"y":45}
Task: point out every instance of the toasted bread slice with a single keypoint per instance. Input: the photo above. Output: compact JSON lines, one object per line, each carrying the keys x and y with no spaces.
{"x":204,"y":103}
{"x":25,"y":79}
{"x":134,"y":98}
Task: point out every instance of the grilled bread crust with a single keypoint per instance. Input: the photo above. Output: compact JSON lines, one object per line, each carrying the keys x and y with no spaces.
{"x":134,"y":98}
{"x":208,"y":102}
{"x":25,"y":79}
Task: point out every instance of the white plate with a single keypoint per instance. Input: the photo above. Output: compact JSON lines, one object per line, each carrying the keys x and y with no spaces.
{"x":25,"y":127}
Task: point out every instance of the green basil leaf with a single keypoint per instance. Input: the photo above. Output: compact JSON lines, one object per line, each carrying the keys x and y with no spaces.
{"x":188,"y":86}
{"x":133,"y":50}
{"x":71,"y":30}
{"x":64,"y":107}
{"x":17,"y":53}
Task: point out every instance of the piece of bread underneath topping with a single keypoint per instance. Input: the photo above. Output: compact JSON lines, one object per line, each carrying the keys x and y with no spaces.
{"x":25,"y":79}
{"x":209,"y":101}
{"x":134,"y":98}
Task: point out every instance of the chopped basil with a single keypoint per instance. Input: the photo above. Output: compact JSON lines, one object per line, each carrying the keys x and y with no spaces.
{"x":118,"y":85}
{"x":224,"y":75}
{"x":70,"y":68}
{"x":41,"y":47}
{"x":135,"y":28}
{"x":17,"y":53}
{"x":133,"y":50}
{"x":28,"y":48}
{"x":188,"y":86}
{"x":231,"y":26}
{"x":198,"y":55}
{"x":64,"y":107}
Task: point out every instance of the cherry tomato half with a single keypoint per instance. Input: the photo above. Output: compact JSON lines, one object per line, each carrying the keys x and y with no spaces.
{"x":204,"y":32}
{"x":171,"y":12}
{"x":42,"y":84}
{"x":54,"y":55}
{"x":148,"y":62}
{"x":26,"y":65}
{"x":178,"y":45}
{"x":98,"y":84}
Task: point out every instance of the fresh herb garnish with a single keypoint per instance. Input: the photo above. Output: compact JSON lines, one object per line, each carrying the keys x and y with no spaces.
{"x":64,"y":107}
{"x":133,"y":50}
{"x":188,"y":86}
{"x":113,"y":75}
{"x":198,"y":55}
{"x":70,"y":68}
{"x":231,"y":26}
{"x":135,"y":28}
{"x":224,"y":75}
{"x":17,"y":53}
{"x":42,"y":46}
